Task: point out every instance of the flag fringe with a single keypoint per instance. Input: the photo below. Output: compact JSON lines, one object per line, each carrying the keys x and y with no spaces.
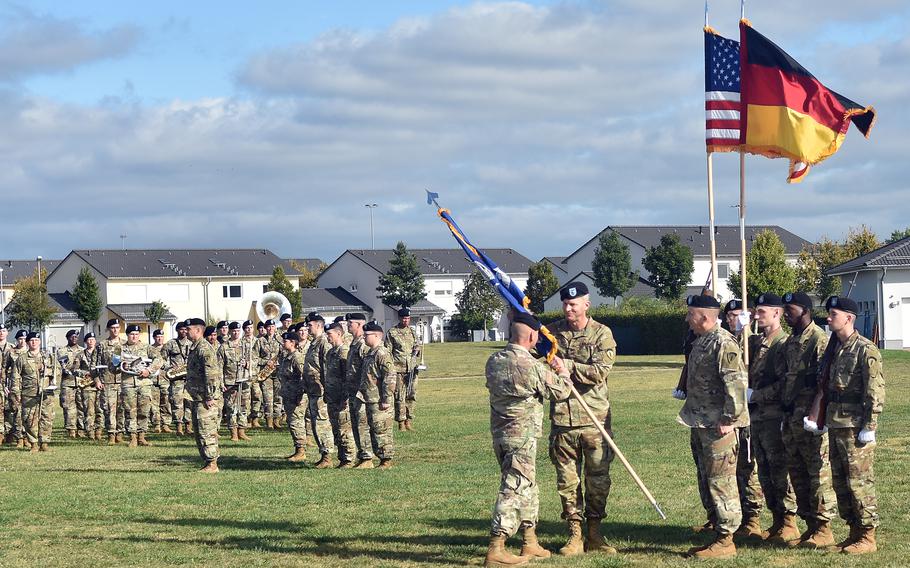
{"x":860,"y":111}
{"x":711,"y":30}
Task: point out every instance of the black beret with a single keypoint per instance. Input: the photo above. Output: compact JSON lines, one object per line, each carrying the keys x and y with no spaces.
{"x":71,"y":333}
{"x":798,"y":299}
{"x":88,"y":335}
{"x":404,"y":312}
{"x":194,"y":321}
{"x":260,"y":325}
{"x":234,"y":325}
{"x":372,"y":326}
{"x":289,"y":336}
{"x":285,"y":317}
{"x":701,"y":301}
{"x":526,"y":319}
{"x":157,"y":332}
{"x":314,"y":316}
{"x":294,"y":327}
{"x":356,"y":316}
{"x":247,"y":324}
{"x":222,"y":324}
{"x":21,"y":333}
{"x":180,"y":325}
{"x":132,"y":328}
{"x":209,"y":330}
{"x":112,"y":322}
{"x":338,"y":319}
{"x":573,"y":290}
{"x":269,"y":322}
{"x":32,"y":335}
{"x":842,"y":304}
{"x":769,"y":299}
{"x":734,"y":304}
{"x":334,"y":325}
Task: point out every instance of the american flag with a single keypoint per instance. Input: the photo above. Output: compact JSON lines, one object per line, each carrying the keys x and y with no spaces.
{"x":721,"y":93}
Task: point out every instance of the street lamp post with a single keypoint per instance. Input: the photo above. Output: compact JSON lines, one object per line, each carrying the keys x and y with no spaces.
{"x":371,"y":206}
{"x":2,"y":299}
{"x":122,"y":242}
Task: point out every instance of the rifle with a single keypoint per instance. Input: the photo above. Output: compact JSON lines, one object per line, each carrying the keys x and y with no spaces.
{"x":819,"y":408}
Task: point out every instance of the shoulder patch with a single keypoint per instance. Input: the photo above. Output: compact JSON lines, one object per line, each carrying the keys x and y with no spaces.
{"x":731,"y":358}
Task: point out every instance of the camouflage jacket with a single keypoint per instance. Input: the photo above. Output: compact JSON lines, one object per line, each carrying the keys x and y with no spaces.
{"x":356,"y":352}
{"x":767,"y":368}
{"x":157,"y":352}
{"x":5,"y":347}
{"x":175,"y":352}
{"x":402,"y":343}
{"x":249,"y":356}
{"x":518,"y":385}
{"x":378,"y":376}
{"x":203,"y":372}
{"x":856,"y":389}
{"x":290,"y":370}
{"x":716,"y":385}
{"x":140,"y":349}
{"x":336,"y":363}
{"x":589,"y":355}
{"x":32,"y":372}
{"x":268,"y":348}
{"x":109,"y":348}
{"x":229,"y":354}
{"x":12,"y":354}
{"x":314,"y":370}
{"x":70,"y":355}
{"x":88,"y":360}
{"x":803,"y":353}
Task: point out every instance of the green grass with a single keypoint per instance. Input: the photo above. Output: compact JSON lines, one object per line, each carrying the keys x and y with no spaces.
{"x":90,"y":505}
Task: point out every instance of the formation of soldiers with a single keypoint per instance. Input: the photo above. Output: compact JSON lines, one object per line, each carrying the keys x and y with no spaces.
{"x":795,"y":429}
{"x":341,"y":384}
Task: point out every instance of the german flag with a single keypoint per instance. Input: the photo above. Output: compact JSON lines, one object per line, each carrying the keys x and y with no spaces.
{"x":787,"y":112}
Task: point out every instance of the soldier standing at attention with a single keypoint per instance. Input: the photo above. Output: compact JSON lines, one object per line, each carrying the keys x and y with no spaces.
{"x":359,"y":423}
{"x":203,"y":385}
{"x":336,"y":361}
{"x":715,"y":407}
{"x":13,"y":408}
{"x":402,"y":343}
{"x":136,"y":389}
{"x":856,"y":396}
{"x":267,"y":351}
{"x":223,"y":332}
{"x":111,"y":377}
{"x":314,"y":383}
{"x":377,"y":391}
{"x":161,"y":406}
{"x":175,"y":352}
{"x":33,"y":371}
{"x":69,"y":362}
{"x":253,"y":391}
{"x":90,"y":386}
{"x":588,"y":351}
{"x":294,"y":396}
{"x":5,"y":428}
{"x":230,"y":355}
{"x":518,"y":385}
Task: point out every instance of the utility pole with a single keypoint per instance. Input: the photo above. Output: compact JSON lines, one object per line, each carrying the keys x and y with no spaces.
{"x":371,"y":206}
{"x":122,"y":242}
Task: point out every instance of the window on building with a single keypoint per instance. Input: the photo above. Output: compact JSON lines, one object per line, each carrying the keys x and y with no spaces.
{"x":265,"y":288}
{"x":230,"y":291}
{"x":723,"y":270}
{"x":443,"y":289}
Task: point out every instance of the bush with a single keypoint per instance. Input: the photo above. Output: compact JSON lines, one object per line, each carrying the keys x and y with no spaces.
{"x":641,"y":326}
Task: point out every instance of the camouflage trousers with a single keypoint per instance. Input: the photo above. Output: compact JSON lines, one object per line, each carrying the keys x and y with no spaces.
{"x":69,"y":407}
{"x":38,"y":421}
{"x":768,"y":451}
{"x":205,"y":426}
{"x":267,"y":407}
{"x":87,"y":406}
{"x":404,"y":402}
{"x":277,"y":403}
{"x":237,"y":405}
{"x":113,"y":409}
{"x":573,"y":450}
{"x":715,"y":459}
{"x":161,"y":404}
{"x":381,"y":435}
{"x":343,"y":435}
{"x":180,"y":408}
{"x":13,"y":417}
{"x":295,"y":405}
{"x":361,"y":428}
{"x":320,"y":425}
{"x":751,"y":497}
{"x":810,"y":470}
{"x":854,"y":478}
{"x":518,"y":501}
{"x":255,"y":399}
{"x":137,"y":405}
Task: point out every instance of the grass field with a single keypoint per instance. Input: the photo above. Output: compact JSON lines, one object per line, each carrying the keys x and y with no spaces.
{"x":89,"y":505}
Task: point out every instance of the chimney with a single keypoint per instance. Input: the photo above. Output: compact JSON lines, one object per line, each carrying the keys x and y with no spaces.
{"x":699,"y":229}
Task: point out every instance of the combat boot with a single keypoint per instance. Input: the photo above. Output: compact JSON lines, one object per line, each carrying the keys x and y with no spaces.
{"x":385,"y":463}
{"x":821,"y":537}
{"x":595,"y":541}
{"x":777,"y":523}
{"x":180,"y":429}
{"x":408,"y":425}
{"x":401,"y":425}
{"x":157,"y":428}
{"x":33,"y":447}
{"x":270,"y":423}
{"x":750,"y":527}
{"x":189,"y":430}
{"x":299,"y":455}
{"x":99,"y":433}
{"x":44,"y":447}
{"x":344,"y":465}
{"x":166,"y":429}
{"x":864,"y":544}
{"x":234,"y":436}
{"x":855,"y":532}
{"x":142,"y":441}
{"x":529,"y":545}
{"x":788,"y":532}
{"x":133,"y":440}
{"x":324,"y":463}
{"x":575,"y":545}
{"x":255,"y":423}
{"x":497,"y":555}
{"x":91,"y":435}
{"x":364,"y":464}
{"x":112,"y":440}
{"x":210,"y":467}
{"x":707,"y":527}
{"x":119,"y":437}
{"x":71,"y":434}
{"x":241,"y":434}
{"x":722,"y":547}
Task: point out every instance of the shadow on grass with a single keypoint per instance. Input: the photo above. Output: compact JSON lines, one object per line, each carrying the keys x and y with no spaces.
{"x":648,"y":364}
{"x":232,"y":463}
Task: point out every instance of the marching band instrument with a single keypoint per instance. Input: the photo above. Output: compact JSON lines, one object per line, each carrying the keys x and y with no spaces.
{"x":267,"y":369}
{"x":133,"y":365}
{"x":271,"y":305}
{"x":178,"y":372}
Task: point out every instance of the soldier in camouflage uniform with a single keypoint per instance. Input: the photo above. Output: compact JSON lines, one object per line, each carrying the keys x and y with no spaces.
{"x":359,"y":423}
{"x":161,"y":404}
{"x":294,"y":396}
{"x":5,"y":428}
{"x":767,"y":369}
{"x":576,"y":445}
{"x":856,"y":396}
{"x":175,"y":352}
{"x":715,"y":407}
{"x":203,"y":386}
{"x":377,"y":392}
{"x":69,"y":362}
{"x":518,"y":385}
{"x":33,"y":371}
{"x":268,"y":349}
{"x":111,"y":378}
{"x":13,"y":409}
{"x":235,"y":369}
{"x":314,"y":383}
{"x":402,"y":343}
{"x":336,"y":361}
{"x":255,"y":385}
{"x":89,"y":381}
{"x":807,"y":453}
{"x":250,"y":368}
{"x":136,"y":387}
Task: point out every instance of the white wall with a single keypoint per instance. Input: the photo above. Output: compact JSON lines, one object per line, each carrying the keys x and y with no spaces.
{"x":64,"y":277}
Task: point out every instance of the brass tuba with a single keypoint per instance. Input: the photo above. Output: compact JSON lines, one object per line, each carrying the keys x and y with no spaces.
{"x":271,"y":305}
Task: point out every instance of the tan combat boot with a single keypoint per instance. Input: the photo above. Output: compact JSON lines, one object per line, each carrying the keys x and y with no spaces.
{"x":324,"y":462}
{"x":133,"y":440}
{"x":401,"y":425}
{"x":821,"y":537}
{"x":750,"y":528}
{"x":157,"y":429}
{"x":180,"y":429}
{"x":385,"y":463}
{"x":119,"y":437}
{"x":856,"y":531}
{"x":81,"y":434}
{"x":707,"y":527}
{"x":255,"y":423}
{"x":142,"y":441}
{"x":33,"y":446}
{"x":112,"y":439}
{"x":408,"y":425}
{"x":71,"y":434}
{"x":43,"y":447}
{"x":90,"y":434}
{"x":241,"y":434}
{"x":234,"y":436}
{"x":575,"y":545}
{"x":497,"y":555}
{"x":344,"y":465}
{"x":99,"y":434}
{"x":270,"y":423}
{"x":595,"y":541}
{"x":777,"y":523}
{"x":722,"y":547}
{"x":529,"y":545}
{"x":299,"y":455}
{"x":20,"y":443}
{"x":210,"y":467}
{"x":788,"y":532}
{"x":189,"y":429}
{"x":364,"y":464}
{"x":166,"y":429}
{"x":864,"y":544}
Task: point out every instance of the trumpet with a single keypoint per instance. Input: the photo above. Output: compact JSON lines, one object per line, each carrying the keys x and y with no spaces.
{"x":178,"y":372}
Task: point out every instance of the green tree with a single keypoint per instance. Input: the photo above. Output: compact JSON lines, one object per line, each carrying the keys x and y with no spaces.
{"x":541,"y":284}
{"x":612,"y":266}
{"x":87,"y":296}
{"x":897,"y":235}
{"x":478,"y":303}
{"x":280,"y":283}
{"x":31,"y":307}
{"x":766,"y":268}
{"x":403,"y":284}
{"x":308,"y":278}
{"x":670,"y":267}
{"x":813,"y":263}
{"x":859,"y":241}
{"x":156,"y":312}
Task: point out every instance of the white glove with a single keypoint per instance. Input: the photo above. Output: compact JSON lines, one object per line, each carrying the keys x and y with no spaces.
{"x":742,"y":320}
{"x":679,"y":394}
{"x":866,"y":436}
{"x":749,"y":394}
{"x":810,"y":426}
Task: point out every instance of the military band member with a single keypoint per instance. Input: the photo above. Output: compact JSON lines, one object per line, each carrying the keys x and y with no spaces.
{"x":111,"y":378}
{"x":33,"y":372}
{"x":377,"y":391}
{"x":4,"y":385}
{"x":89,"y":381}
{"x":267,"y":352}
{"x":223,"y":333}
{"x":359,"y":423}
{"x":518,"y":386}
{"x":255,"y":385}
{"x":68,"y":358}
{"x":136,"y":386}
{"x":13,"y":410}
{"x":402,"y":343}
{"x":336,"y":361}
{"x":248,"y":366}
{"x":230,"y":353}
{"x":285,"y":321}
{"x":260,"y":330}
{"x":314,"y":384}
{"x":211,"y":335}
{"x":203,"y":386}
{"x":294,"y":397}
{"x":715,"y":407}
{"x":176,"y":351}
{"x":161,"y":404}
{"x":588,"y":351}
